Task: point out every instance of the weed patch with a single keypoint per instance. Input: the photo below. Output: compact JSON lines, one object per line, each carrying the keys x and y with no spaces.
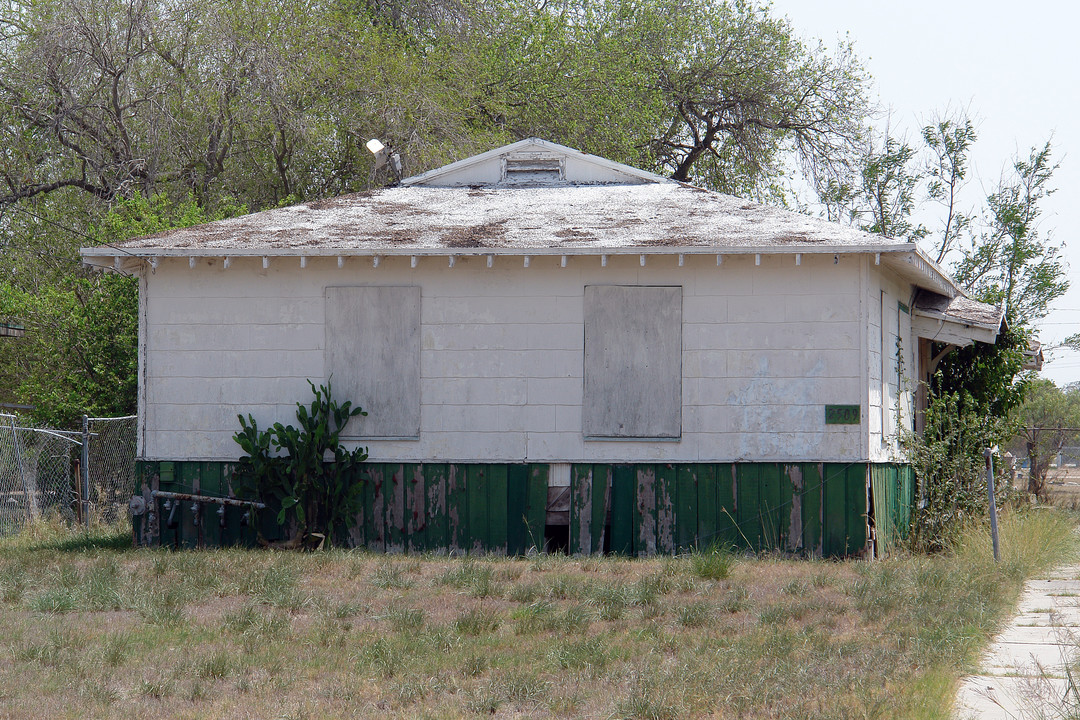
{"x":238,"y":633}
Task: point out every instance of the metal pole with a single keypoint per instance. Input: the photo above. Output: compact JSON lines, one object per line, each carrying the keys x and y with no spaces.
{"x":989,"y":453}
{"x":84,"y":470}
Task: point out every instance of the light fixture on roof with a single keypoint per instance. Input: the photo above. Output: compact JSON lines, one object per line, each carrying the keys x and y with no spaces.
{"x":383,"y":155}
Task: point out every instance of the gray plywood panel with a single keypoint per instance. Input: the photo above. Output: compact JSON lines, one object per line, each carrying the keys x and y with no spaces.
{"x":373,"y":357}
{"x":633,"y":362}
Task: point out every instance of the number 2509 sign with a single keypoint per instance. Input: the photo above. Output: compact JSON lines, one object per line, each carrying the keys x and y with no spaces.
{"x":841,"y":414}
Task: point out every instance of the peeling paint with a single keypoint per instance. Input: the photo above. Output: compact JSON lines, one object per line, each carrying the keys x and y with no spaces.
{"x":795,"y":528}
{"x":395,"y":513}
{"x":665,"y":519}
{"x":646,"y":495}
{"x":417,"y":512}
{"x":582,"y":511}
{"x":378,"y":511}
{"x":436,"y":496}
{"x":455,"y":511}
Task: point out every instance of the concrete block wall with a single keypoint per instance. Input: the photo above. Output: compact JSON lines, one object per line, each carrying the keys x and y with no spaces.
{"x":765,"y":348}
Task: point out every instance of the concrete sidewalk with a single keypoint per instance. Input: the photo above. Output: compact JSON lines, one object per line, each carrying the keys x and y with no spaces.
{"x":1022,"y":674}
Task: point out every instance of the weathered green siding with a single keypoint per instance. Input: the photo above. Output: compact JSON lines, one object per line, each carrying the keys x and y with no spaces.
{"x":633,"y":509}
{"x":893,"y":491}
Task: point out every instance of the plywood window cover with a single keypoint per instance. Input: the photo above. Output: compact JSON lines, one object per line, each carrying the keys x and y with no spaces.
{"x":389,"y":321}
{"x":647,"y":318}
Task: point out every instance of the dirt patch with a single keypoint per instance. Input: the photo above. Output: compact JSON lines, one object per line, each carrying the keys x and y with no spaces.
{"x":475,"y":235}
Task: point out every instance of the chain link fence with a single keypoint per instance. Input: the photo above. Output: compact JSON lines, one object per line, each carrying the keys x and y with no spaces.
{"x":41,"y":471}
{"x":111,"y":466}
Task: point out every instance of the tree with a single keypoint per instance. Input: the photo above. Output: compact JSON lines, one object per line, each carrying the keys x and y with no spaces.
{"x":79,"y":353}
{"x":999,"y":256}
{"x":741,"y":89}
{"x":1050,"y":420}
{"x":948,"y":141}
{"x":1011,"y":263}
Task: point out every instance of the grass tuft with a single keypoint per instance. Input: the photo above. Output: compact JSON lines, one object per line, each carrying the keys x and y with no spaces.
{"x":714,"y":563}
{"x":476,"y":621}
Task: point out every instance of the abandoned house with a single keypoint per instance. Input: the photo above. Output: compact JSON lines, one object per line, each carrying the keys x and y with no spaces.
{"x":554,"y":350}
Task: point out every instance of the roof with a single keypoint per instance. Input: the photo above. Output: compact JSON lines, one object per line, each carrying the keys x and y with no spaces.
{"x":403,"y":219}
{"x":530,"y":197}
{"x":957,"y":320}
{"x":959,"y":309}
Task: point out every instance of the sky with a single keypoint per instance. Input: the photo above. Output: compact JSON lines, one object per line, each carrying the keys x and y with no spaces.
{"x":1012,"y":67}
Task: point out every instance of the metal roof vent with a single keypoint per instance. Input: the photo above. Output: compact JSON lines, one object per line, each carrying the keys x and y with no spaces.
{"x":534,"y":168}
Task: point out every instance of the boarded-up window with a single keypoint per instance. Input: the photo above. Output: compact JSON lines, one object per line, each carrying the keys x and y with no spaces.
{"x":373,"y":357}
{"x":633,"y":362}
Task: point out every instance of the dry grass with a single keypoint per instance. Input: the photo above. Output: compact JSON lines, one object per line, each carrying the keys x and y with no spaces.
{"x":92,"y":629}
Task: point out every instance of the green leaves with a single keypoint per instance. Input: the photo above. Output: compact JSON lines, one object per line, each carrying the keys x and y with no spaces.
{"x":1012,"y":263}
{"x":289,"y":464}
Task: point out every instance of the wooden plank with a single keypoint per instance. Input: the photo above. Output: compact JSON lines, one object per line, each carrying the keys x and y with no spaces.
{"x":749,"y":505}
{"x":356,"y":531}
{"x":772,"y":506}
{"x":166,"y":472}
{"x":857,"y":477}
{"x":892,"y":502}
{"x":415,"y":507}
{"x":191,"y":478}
{"x":645,"y":510}
{"x":437,"y":535}
{"x":686,"y":507}
{"x":622,"y":509}
{"x":495,"y":541}
{"x":601,"y":506}
{"x":727,"y":531}
{"x":834,"y":510}
{"x":667,"y":494}
{"x":211,"y":482}
{"x":811,"y":508}
{"x":377,"y":541}
{"x":476,"y":487}
{"x":907,"y":500}
{"x":879,"y":489}
{"x":537,"y":505}
{"x":793,"y":488}
{"x":787,"y":506}
{"x":457,"y":508}
{"x":707,"y":506}
{"x":395,"y":508}
{"x":517,"y":500}
{"x":581,"y":499}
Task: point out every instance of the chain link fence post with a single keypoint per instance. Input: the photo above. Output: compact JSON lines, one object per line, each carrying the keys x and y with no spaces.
{"x":84,"y":471}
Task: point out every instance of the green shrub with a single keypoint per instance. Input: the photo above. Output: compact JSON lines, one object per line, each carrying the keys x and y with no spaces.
{"x":287,"y":467}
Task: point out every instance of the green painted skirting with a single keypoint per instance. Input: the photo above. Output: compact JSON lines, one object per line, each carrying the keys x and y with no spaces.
{"x":815,"y":509}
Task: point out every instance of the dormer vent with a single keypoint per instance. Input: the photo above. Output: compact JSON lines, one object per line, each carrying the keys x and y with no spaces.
{"x":533,"y":169}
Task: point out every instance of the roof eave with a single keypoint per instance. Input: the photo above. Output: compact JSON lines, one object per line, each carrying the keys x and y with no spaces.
{"x":108,"y":253}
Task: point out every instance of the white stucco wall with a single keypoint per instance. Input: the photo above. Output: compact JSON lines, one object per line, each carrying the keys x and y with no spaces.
{"x":765,"y":348}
